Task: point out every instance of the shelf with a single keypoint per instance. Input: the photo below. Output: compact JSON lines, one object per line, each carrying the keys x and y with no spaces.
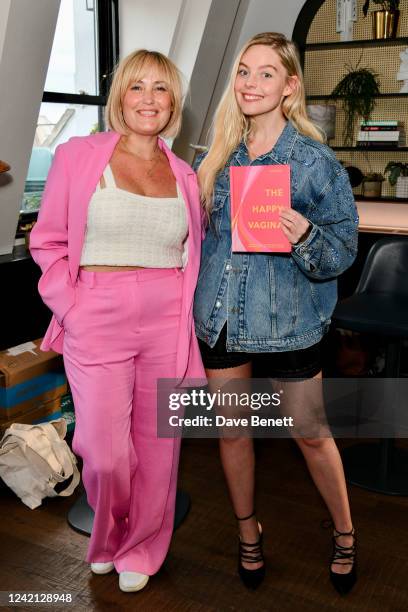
{"x":361,"y":198}
{"x":371,"y":149}
{"x":386,"y":217}
{"x":330,"y":97}
{"x":356,"y":43}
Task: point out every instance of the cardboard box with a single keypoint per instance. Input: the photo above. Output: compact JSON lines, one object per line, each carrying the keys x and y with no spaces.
{"x":29,"y":377}
{"x":45,"y":412}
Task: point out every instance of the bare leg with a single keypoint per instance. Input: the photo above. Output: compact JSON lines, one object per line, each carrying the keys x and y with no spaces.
{"x":238,"y":462}
{"x":326,"y":468}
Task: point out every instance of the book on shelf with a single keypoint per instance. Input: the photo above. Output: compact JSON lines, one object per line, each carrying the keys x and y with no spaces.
{"x":350,"y":11}
{"x":258,"y":195}
{"x":340,"y":15}
{"x":379,"y":145}
{"x":387,"y":122}
{"x":391,"y":135}
{"x":353,"y":10}
{"x":381,"y":138}
{"x":379,"y":128}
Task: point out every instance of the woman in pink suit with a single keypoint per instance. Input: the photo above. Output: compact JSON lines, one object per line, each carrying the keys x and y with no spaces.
{"x":118,"y":240}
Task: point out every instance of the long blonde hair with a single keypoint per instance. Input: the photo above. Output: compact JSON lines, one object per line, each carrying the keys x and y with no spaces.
{"x":230,"y":125}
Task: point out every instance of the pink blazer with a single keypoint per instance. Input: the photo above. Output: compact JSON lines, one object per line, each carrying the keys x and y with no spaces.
{"x":57,"y":237}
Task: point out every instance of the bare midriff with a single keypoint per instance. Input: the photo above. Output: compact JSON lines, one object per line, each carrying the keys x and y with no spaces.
{"x":111,"y":268}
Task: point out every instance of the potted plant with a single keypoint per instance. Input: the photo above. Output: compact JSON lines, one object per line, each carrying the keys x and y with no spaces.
{"x":357,"y":91}
{"x":371,"y":185}
{"x":398,"y":175}
{"x":385,"y":20}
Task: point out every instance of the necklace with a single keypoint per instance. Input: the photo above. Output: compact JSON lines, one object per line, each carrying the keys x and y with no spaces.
{"x":155,"y":159}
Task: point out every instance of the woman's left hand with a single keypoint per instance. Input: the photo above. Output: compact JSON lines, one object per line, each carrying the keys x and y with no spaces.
{"x":295,"y":227}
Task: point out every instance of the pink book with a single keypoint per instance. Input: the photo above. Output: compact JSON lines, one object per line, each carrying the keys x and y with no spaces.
{"x":258,"y":194}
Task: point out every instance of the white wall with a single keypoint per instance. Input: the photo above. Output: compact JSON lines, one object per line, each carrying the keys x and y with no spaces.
{"x":23,"y":66}
{"x":147,"y":24}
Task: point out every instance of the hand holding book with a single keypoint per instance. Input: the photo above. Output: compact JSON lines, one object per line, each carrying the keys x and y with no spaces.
{"x":294,"y":225}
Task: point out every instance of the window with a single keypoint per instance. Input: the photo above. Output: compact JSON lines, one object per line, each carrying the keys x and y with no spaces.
{"x":84,"y":53}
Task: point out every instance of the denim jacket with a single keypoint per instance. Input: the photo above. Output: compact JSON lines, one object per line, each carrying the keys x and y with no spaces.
{"x":279,"y":302}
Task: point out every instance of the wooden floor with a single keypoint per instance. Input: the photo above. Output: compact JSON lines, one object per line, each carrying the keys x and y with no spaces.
{"x":39,"y":552}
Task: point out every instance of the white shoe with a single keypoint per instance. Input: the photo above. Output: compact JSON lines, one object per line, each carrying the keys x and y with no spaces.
{"x":102,"y":568}
{"x":132,"y":581}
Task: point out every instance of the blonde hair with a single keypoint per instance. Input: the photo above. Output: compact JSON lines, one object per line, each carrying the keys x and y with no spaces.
{"x":129,"y":70}
{"x":230,"y":125}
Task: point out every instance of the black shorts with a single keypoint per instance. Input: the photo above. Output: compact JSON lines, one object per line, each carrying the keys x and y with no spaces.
{"x":301,"y":363}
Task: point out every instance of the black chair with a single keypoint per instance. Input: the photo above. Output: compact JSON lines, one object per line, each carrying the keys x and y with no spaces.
{"x":379,"y":307}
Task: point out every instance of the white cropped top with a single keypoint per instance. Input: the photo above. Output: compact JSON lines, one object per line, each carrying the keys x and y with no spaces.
{"x":128,"y":229}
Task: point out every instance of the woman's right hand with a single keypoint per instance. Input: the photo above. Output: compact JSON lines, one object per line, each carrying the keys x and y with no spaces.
{"x":294,"y":225}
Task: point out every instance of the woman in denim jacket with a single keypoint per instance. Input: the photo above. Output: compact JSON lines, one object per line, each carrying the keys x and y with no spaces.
{"x":276,"y":305}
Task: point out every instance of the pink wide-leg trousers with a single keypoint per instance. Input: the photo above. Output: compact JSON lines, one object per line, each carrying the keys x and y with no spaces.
{"x":121,"y":336}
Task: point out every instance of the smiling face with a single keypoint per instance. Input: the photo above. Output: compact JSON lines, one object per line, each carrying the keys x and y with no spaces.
{"x":262,"y":82}
{"x":147,"y":103}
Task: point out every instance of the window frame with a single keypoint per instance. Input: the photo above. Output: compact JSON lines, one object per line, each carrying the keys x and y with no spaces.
{"x":107,"y":31}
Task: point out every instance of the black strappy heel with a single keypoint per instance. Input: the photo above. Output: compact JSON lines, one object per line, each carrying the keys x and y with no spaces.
{"x":344,"y":555}
{"x":251,"y":553}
